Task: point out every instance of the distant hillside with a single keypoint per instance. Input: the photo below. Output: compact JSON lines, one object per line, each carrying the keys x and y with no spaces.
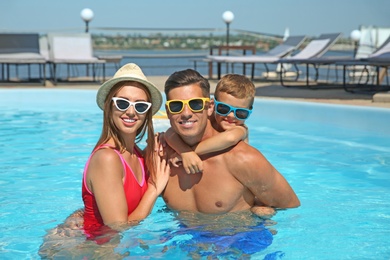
{"x":159,"y":41}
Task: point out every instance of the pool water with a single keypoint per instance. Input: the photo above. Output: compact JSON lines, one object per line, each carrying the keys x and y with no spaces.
{"x":336,"y":158}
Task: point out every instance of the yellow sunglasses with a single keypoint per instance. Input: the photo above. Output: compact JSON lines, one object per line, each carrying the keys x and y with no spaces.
{"x":176,"y":106}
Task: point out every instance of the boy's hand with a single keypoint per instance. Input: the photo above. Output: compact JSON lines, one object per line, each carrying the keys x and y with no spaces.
{"x":191,"y":162}
{"x":176,"y":160}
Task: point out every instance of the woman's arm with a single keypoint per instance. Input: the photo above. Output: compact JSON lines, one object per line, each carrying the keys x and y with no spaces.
{"x":105,"y":180}
{"x":105,"y":175}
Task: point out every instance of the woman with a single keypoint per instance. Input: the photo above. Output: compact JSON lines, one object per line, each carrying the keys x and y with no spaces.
{"x":121,"y":182}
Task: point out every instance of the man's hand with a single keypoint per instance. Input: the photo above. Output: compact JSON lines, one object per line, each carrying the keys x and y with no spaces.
{"x":263,"y":212}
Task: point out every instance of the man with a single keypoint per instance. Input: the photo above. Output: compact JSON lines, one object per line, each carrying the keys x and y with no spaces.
{"x":233,"y":179}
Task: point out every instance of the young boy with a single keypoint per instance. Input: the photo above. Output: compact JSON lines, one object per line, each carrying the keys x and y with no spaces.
{"x":233,"y":103}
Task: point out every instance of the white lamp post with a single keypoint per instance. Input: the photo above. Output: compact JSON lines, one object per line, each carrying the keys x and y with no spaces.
{"x":87,"y":16}
{"x":227,"y":17}
{"x":355,"y":36}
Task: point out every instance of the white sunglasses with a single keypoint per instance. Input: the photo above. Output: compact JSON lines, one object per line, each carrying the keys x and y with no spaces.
{"x":140,"y":107}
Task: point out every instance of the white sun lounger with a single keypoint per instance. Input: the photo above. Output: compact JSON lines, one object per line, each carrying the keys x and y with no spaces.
{"x":72,"y":49}
{"x":20,"y":49}
{"x":287,"y":47}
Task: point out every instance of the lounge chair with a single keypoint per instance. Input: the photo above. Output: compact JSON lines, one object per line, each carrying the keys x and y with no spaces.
{"x":382,"y":51}
{"x":115,"y":60}
{"x":371,"y":38}
{"x":314,"y":50}
{"x":72,"y":49}
{"x":379,"y":61}
{"x":287,"y":47}
{"x":21,"y":49}
{"x":368,"y":67}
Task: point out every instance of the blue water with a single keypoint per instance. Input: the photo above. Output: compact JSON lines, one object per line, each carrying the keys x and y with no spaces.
{"x":337,"y":159}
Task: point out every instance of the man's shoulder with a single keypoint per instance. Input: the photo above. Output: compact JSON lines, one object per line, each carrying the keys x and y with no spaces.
{"x":244,"y":160}
{"x":243,"y":146}
{"x":243,"y":152}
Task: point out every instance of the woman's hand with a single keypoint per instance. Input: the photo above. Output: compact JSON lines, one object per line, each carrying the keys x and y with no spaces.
{"x":162,"y":173}
{"x":162,"y":166}
{"x":160,"y":143}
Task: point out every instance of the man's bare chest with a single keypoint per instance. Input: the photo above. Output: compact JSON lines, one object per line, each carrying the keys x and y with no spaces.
{"x":215,"y":190}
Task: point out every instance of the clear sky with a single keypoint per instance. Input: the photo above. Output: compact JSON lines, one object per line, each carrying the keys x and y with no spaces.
{"x":309,"y":17}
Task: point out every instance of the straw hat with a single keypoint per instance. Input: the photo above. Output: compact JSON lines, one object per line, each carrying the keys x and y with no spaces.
{"x":130,"y":72}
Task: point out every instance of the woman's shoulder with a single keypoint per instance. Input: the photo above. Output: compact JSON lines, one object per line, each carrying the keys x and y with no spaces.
{"x":105,"y":155}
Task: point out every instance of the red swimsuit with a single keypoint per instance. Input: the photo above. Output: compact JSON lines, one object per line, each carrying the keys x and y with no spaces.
{"x":133,"y":191}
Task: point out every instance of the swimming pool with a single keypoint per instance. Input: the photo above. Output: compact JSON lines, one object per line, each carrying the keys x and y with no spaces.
{"x":337,"y":159}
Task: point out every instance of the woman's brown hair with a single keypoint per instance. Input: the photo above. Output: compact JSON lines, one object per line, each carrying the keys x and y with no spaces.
{"x":111,"y":131}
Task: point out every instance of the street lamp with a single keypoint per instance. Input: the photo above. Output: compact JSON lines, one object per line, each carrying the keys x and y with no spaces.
{"x":227,"y":17}
{"x":86,"y":15}
{"x":355,"y":36}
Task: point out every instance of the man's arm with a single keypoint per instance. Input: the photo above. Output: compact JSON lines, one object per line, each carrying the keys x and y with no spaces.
{"x":255,"y":172}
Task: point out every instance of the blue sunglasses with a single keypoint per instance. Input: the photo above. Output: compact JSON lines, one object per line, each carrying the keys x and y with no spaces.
{"x":224,"y":109}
